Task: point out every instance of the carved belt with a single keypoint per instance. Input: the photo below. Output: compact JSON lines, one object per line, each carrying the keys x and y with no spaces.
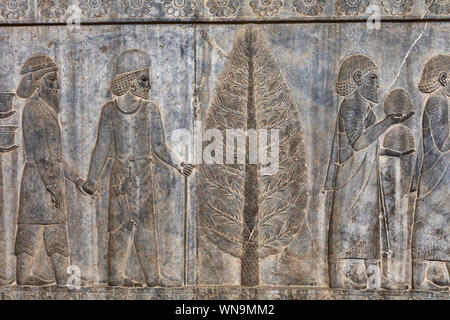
{"x":31,"y":159}
{"x":132,"y":158}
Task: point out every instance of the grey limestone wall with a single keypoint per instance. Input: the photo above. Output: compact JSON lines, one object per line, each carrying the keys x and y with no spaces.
{"x":108,"y":128}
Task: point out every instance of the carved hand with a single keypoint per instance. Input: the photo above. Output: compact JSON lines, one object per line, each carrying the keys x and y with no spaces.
{"x":56,"y":196}
{"x":79,"y":183}
{"x":399,"y":117}
{"x":185,"y":169}
{"x":89,"y":187}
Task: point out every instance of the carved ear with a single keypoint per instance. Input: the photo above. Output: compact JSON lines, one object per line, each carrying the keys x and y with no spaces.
{"x":443,"y":78}
{"x":357,"y":77}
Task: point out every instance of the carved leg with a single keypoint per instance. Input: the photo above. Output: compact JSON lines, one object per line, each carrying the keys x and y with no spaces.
{"x":60,"y":265}
{"x":348,"y":274}
{"x":57,"y":246}
{"x":24,"y":272}
{"x":146,"y":249}
{"x":431,"y":275}
{"x":29,"y":238}
{"x":119,"y":250}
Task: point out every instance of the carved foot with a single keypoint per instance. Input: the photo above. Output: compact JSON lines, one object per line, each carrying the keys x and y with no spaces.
{"x":392,"y":285}
{"x":5,"y":282}
{"x":165,"y":282}
{"x":125,"y":282}
{"x":35,"y":281}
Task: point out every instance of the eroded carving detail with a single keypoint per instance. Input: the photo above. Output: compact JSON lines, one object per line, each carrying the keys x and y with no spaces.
{"x":180,"y":8}
{"x":309,"y":7}
{"x":352,"y":7}
{"x":397,"y":7}
{"x":266,"y":7}
{"x":13,"y":9}
{"x":6,"y":106}
{"x":136,"y":8}
{"x":7,"y":137}
{"x":431,"y":236}
{"x":94,"y":8}
{"x":222,"y":8}
{"x":245,"y":213}
{"x":52,"y":9}
{"x":438,"y":6}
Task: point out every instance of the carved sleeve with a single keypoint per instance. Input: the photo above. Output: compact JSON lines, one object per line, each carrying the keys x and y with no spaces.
{"x":70,"y":172}
{"x":158,"y":140}
{"x":370,"y":119}
{"x":334,"y":159}
{"x":36,"y":142}
{"x":353,"y":121}
{"x":419,"y":160}
{"x":103,"y":144}
{"x":436,"y":111}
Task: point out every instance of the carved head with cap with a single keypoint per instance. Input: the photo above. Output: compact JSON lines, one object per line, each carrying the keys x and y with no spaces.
{"x":132,"y":74}
{"x":435,"y":74}
{"x":358,"y":73}
{"x":40,"y":74}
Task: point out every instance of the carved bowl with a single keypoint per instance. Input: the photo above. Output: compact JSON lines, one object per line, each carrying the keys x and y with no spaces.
{"x":7,"y":136}
{"x":6,"y":105}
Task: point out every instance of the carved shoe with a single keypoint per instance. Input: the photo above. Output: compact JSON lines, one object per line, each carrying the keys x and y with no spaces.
{"x":36,"y":281}
{"x":127,"y":282}
{"x":165,"y":282}
{"x":5,"y":282}
{"x":392,"y":285}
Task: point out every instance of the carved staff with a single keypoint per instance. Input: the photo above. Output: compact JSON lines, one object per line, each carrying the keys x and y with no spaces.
{"x":2,"y":209}
{"x":186,"y":198}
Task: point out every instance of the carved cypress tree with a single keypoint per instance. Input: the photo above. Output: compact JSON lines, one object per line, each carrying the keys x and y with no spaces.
{"x":242,"y":210}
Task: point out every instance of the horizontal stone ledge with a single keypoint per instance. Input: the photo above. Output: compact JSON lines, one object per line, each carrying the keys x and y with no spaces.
{"x":211,"y":293}
{"x":249,"y":20}
{"x":128,"y":11}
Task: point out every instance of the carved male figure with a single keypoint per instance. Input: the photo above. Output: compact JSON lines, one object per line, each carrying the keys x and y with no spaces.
{"x":42,"y":208}
{"x":396,"y":167}
{"x":130,"y":131}
{"x":431,"y":241}
{"x":354,"y":240}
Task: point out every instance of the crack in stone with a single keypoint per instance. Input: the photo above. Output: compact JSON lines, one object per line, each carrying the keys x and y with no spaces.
{"x":406,"y":56}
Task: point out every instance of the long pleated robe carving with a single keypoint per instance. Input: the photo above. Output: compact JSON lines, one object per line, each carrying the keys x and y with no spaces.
{"x":431,"y":240}
{"x":353,"y":177}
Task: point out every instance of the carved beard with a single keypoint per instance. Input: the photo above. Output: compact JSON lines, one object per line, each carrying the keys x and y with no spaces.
{"x":368,"y":92}
{"x":139,"y":91}
{"x":51,"y":96}
{"x":446,"y":90}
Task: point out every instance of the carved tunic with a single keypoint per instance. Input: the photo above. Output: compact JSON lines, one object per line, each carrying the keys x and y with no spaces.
{"x":130,"y":139}
{"x":44,"y":165}
{"x":353,"y":177}
{"x":432,"y":219}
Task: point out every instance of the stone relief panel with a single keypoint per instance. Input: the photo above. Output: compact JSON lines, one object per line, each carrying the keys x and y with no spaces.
{"x":383,"y":105}
{"x":251,"y":209}
{"x":88,"y":219}
{"x":306,"y":169}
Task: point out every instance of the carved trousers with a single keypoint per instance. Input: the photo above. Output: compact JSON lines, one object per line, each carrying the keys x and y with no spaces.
{"x":123,"y":242}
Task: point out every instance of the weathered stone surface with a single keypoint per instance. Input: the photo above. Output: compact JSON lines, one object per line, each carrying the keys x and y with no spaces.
{"x":348,"y":213}
{"x":126,"y":11}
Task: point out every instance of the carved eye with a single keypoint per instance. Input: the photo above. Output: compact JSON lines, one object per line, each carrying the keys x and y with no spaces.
{"x":144,"y":79}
